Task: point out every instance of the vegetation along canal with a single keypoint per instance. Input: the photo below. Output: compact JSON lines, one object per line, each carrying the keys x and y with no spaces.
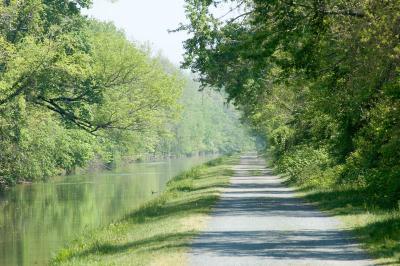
{"x":36,"y":220}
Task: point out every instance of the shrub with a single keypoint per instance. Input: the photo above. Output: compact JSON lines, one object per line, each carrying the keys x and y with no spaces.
{"x":304,"y":164}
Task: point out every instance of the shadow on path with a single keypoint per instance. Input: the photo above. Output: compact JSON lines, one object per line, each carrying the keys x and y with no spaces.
{"x":299,"y":245}
{"x":259,"y":221}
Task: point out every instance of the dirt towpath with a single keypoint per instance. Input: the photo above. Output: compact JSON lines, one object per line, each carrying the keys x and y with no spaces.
{"x":260,"y":221}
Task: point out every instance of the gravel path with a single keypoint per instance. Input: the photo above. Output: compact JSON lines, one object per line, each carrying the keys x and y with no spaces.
{"x":259,"y":221}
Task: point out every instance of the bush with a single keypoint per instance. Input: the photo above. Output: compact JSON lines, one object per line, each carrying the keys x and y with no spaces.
{"x":304,"y":164}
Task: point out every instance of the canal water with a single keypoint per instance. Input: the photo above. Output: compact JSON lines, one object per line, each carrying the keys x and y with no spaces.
{"x":37,"y":220}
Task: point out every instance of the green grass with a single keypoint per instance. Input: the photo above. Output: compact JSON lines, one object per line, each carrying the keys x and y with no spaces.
{"x":159,"y":232}
{"x":377,"y":228}
{"x":255,"y":172}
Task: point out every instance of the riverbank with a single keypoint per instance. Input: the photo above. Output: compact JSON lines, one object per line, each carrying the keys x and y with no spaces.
{"x":377,"y":229}
{"x":158,"y":232}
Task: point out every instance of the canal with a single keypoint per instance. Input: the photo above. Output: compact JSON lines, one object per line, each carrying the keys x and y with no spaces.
{"x":37,"y":220}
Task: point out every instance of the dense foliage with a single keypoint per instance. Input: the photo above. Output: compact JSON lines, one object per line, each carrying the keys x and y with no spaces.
{"x":319,"y":79}
{"x":206,"y":125}
{"x":73,"y":90}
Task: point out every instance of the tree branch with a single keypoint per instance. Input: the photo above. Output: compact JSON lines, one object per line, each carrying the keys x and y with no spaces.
{"x":353,"y":13}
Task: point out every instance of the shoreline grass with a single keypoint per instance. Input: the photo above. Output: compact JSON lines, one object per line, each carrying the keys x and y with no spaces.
{"x":377,"y":228}
{"x":160,"y":231}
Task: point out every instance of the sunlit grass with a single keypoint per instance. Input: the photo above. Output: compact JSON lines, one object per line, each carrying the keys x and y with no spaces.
{"x":159,"y":232}
{"x":378,"y":229}
{"x":255,"y":172}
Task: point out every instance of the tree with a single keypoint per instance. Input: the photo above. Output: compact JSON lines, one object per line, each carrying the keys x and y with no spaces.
{"x":312,"y":73}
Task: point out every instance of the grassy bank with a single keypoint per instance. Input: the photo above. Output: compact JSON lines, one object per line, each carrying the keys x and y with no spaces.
{"x":377,"y":228}
{"x":158,"y":233}
{"x":365,"y":202}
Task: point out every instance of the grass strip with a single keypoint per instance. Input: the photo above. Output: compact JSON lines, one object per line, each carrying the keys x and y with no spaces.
{"x":160,"y":231}
{"x":377,"y":228}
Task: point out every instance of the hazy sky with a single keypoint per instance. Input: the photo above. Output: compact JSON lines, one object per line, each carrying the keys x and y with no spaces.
{"x":146,"y":20}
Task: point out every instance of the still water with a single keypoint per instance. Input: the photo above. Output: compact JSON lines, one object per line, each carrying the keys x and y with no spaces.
{"x":36,"y":220}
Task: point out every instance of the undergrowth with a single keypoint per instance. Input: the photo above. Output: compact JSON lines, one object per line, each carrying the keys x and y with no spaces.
{"x":375,"y":220}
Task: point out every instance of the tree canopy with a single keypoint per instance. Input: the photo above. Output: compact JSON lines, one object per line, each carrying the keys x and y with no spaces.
{"x":74,"y":90}
{"x":318,"y":76}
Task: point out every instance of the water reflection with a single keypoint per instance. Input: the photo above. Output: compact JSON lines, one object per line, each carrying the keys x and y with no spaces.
{"x":36,"y":220}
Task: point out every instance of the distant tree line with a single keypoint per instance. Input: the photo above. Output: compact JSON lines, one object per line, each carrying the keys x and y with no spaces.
{"x":74,"y":89}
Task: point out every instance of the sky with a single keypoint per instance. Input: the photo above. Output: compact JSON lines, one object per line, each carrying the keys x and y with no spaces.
{"x":146,"y":21}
